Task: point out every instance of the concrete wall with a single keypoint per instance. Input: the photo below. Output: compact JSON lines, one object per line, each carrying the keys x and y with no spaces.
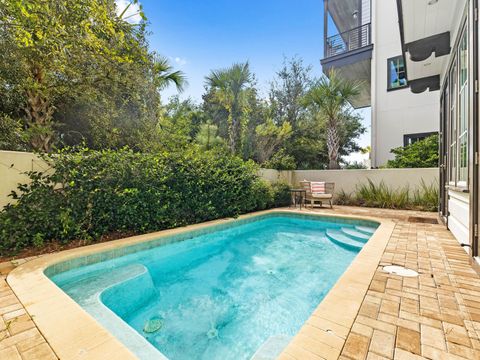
{"x":348,"y":180}
{"x":397,"y":112}
{"x":13,"y":165}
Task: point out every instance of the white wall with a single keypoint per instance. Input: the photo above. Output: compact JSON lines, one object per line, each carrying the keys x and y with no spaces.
{"x":13,"y":165}
{"x":348,"y":180}
{"x":398,"y":112}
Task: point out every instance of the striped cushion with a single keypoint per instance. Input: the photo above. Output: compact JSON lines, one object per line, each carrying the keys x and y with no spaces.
{"x":317,"y":187}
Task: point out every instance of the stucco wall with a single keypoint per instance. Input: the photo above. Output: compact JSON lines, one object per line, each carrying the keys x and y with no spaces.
{"x":348,"y":180}
{"x":398,"y":112}
{"x":13,"y":165}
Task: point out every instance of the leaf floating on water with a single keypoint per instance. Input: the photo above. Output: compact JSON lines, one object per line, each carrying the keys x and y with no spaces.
{"x":152,"y":325}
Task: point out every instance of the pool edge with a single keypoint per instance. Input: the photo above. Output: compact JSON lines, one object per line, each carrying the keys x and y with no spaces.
{"x":54,"y":312}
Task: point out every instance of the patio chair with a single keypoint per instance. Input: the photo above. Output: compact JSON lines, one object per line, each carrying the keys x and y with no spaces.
{"x":318,"y":191}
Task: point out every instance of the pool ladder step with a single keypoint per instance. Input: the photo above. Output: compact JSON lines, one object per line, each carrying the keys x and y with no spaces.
{"x":340,"y":238}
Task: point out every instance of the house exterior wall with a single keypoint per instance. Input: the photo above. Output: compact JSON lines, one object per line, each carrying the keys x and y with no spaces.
{"x":398,"y":112}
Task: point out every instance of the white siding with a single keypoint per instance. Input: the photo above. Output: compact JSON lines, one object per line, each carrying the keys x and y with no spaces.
{"x":459,"y":219}
{"x":398,"y":112}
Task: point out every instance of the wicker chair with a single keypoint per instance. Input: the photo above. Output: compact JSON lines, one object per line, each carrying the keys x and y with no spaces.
{"x":311,"y":197}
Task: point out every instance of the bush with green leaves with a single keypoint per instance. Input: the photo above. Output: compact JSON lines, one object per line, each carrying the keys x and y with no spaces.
{"x":93,"y":193}
{"x":380,"y":195}
{"x":420,"y":154}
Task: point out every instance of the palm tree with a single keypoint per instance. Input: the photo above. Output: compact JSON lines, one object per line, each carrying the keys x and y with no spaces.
{"x":231,"y":92}
{"x":164,"y":76}
{"x":330,"y":98}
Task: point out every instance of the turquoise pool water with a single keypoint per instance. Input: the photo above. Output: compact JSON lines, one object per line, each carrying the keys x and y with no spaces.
{"x":222,"y":293}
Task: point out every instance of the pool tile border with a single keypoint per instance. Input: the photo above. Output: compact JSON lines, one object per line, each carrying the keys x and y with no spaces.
{"x":74,"y":334}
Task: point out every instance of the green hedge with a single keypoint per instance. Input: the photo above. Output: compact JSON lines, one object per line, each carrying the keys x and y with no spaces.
{"x":93,"y":193}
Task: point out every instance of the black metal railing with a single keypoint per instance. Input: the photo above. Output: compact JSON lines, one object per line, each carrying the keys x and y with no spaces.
{"x":353,"y":39}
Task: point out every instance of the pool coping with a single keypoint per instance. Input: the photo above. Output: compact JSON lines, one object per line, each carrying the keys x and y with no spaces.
{"x":74,"y":334}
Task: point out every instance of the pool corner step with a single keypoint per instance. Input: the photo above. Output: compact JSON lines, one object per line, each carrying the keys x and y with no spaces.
{"x":272,"y":348}
{"x":367,"y":230}
{"x":340,"y":238}
{"x":355,"y":234}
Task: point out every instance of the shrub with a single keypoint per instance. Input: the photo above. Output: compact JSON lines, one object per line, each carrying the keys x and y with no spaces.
{"x":92,"y":193}
{"x":420,"y":154}
{"x":382,"y":196}
{"x":281,"y":194}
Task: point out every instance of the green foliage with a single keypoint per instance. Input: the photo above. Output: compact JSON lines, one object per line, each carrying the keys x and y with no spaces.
{"x":281,"y":194}
{"x":207,"y":137}
{"x":92,"y":193}
{"x":355,"y":165}
{"x":329,"y":99}
{"x":12,"y":136}
{"x":380,"y":195}
{"x":76,"y":71}
{"x":269,"y":137}
{"x":280,"y":161}
{"x":420,"y":154}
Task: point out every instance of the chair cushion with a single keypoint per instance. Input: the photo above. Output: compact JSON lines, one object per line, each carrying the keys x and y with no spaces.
{"x":322,"y":196}
{"x":318,"y":187}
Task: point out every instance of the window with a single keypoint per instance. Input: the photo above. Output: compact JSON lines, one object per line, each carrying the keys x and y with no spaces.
{"x":457,"y":137}
{"x":397,"y":78}
{"x":463,"y":110}
{"x":409,"y":139}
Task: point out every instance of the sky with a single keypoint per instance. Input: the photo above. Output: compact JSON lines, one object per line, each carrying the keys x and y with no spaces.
{"x":200,"y":35}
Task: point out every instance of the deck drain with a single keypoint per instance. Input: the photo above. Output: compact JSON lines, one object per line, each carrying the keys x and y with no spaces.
{"x":400,"y":270}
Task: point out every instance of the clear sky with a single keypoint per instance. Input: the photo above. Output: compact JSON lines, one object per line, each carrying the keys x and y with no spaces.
{"x":200,"y":35}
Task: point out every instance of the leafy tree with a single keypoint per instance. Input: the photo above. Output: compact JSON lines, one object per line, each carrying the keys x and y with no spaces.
{"x":270,"y":137}
{"x":70,"y":61}
{"x":207,"y":136}
{"x":230,"y":88}
{"x":420,"y":154}
{"x":329,"y":100}
{"x":287,"y":91}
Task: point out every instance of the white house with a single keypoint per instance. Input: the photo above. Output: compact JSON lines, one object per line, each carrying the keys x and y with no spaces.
{"x":440,"y":43}
{"x":362,"y":41}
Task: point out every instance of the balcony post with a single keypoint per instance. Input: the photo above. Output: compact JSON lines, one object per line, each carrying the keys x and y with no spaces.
{"x":325,"y":27}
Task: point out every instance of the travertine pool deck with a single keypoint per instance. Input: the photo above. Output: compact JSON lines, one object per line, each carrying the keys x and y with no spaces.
{"x":434,"y":316}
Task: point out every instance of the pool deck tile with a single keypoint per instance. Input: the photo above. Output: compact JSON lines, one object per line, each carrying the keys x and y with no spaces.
{"x":375,"y":316}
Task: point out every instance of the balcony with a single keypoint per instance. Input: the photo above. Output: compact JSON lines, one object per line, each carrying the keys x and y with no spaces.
{"x":349,"y":50}
{"x":350,"y":40}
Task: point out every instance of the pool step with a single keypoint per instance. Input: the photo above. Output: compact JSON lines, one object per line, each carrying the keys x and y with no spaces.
{"x":356,"y":235}
{"x":272,"y":348}
{"x":338,"y":237}
{"x":367,"y":230}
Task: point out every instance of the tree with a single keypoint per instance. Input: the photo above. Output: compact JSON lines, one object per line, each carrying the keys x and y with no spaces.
{"x":270,"y":137}
{"x":287,"y":91}
{"x":329,"y":100}
{"x":230,"y":90}
{"x":70,"y":61}
{"x":207,"y":136}
{"x":420,"y":154}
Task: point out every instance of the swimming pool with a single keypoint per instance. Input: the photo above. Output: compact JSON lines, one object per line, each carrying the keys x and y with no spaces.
{"x":222,"y":292}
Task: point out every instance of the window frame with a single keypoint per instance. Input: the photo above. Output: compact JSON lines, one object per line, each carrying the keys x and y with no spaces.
{"x":417,"y":136}
{"x":389,"y":79}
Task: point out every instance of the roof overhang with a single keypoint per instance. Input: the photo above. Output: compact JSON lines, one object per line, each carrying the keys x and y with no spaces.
{"x":354,"y":65}
{"x":426,"y":28}
{"x":345,"y":14}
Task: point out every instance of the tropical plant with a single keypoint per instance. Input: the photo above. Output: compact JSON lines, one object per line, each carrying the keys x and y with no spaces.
{"x":380,"y":195}
{"x":420,"y":154}
{"x":75,"y":71}
{"x":329,"y":99}
{"x":94,"y":193}
{"x":230,"y":90}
